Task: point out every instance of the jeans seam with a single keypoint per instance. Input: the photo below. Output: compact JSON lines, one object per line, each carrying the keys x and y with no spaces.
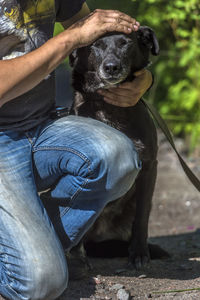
{"x":63,"y":149}
{"x":75,"y":195}
{"x":73,"y":198}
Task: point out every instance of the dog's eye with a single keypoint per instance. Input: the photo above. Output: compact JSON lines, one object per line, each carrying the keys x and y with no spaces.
{"x":100,"y":44}
{"x":122,"y":42}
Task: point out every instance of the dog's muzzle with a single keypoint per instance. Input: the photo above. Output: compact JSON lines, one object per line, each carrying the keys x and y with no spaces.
{"x":112,"y":72}
{"x":112,"y":68}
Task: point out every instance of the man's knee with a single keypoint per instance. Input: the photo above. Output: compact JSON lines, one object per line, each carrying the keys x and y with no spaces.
{"x":38,"y":286}
{"x":114,"y":161}
{"x":50,"y":279}
{"x":41,"y":276}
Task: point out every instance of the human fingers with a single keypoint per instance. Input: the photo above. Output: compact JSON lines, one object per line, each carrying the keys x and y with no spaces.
{"x":115,"y":26}
{"x":113,"y":21}
{"x":117,"y":14}
{"x":142,"y":81}
{"x":116,"y":91}
{"x":119,"y":22}
{"x":121,"y":102}
{"x":122,"y":18}
{"x":122,"y":98}
{"x":140,"y":72}
{"x":139,"y":75}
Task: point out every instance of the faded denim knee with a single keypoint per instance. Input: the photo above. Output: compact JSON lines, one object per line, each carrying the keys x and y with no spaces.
{"x":40,"y":278}
{"x":33,"y":264}
{"x":114,"y":161}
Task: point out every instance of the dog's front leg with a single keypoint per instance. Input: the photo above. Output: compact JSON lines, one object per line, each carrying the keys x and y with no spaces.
{"x":78,"y":263}
{"x":138,"y":250}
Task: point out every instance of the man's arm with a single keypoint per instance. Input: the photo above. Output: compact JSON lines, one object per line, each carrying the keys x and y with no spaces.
{"x":19,"y":75}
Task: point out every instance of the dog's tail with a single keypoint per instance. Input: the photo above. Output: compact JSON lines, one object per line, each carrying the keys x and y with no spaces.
{"x":117,"y":248}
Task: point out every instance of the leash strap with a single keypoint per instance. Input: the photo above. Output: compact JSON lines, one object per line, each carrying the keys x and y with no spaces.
{"x":161,"y":123}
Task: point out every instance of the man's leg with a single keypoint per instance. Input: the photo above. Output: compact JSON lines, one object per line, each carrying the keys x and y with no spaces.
{"x":32,"y":261}
{"x":87,"y":164}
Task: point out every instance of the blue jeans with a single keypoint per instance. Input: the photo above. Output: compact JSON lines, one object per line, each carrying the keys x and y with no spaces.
{"x":86,"y":164}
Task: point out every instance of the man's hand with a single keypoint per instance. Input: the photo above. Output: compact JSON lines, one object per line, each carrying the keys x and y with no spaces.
{"x":100,"y":22}
{"x":128,"y":93}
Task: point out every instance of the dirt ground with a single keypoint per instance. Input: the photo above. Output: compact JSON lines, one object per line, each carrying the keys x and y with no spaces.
{"x":175,"y":225}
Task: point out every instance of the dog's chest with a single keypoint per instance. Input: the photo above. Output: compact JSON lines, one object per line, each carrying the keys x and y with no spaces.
{"x":113,"y":116}
{"x":134,"y":122}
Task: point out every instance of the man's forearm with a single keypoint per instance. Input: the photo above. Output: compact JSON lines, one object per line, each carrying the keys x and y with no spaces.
{"x":19,"y":75}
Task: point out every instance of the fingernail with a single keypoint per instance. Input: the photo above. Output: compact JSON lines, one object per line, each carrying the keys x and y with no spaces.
{"x":137,"y":23}
{"x":129,"y":29}
{"x":135,"y":27}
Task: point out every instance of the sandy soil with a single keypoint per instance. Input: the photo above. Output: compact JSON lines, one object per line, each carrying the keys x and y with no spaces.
{"x":174,"y":224}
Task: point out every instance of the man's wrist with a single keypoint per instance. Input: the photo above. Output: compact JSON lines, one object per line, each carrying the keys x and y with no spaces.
{"x":68,"y":40}
{"x":74,"y":37}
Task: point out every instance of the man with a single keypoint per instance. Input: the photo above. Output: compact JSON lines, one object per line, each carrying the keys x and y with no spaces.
{"x":75,"y":158}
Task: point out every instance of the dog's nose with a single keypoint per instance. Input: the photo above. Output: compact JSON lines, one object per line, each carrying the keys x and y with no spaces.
{"x":111,"y":68}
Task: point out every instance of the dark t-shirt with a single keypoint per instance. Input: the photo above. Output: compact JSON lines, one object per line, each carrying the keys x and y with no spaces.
{"x":24,"y":26}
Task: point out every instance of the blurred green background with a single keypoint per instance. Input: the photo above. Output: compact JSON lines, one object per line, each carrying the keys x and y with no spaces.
{"x":176,"y":91}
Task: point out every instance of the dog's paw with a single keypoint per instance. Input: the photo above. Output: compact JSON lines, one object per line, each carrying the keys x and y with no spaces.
{"x":78,"y":267}
{"x":138,"y":255}
{"x":78,"y":262}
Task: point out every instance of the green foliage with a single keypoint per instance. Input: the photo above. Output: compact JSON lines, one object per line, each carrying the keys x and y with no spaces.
{"x":176,"y":91}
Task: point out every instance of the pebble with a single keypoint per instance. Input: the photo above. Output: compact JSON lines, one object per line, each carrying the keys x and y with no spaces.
{"x":142,"y":276}
{"x":101,"y":291}
{"x":116,"y":287}
{"x":123,"y":295}
{"x":97,"y":280}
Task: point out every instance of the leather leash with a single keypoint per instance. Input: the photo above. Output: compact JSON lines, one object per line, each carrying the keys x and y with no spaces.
{"x":161,"y":123}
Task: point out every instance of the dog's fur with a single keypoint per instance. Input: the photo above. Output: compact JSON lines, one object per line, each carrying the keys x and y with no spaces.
{"x":110,"y":60}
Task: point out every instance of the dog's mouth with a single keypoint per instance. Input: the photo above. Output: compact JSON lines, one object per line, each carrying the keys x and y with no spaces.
{"x":112,"y":78}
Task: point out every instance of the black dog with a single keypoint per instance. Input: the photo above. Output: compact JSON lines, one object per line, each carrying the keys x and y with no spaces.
{"x":110,"y":60}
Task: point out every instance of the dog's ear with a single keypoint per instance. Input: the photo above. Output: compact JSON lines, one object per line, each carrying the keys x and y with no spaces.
{"x":73,"y":58}
{"x":147,"y":37}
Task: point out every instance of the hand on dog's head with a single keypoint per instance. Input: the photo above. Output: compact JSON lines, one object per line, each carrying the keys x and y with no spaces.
{"x":113,"y":58}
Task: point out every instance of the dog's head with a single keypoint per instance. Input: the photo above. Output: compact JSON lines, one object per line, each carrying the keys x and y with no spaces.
{"x":113,"y":58}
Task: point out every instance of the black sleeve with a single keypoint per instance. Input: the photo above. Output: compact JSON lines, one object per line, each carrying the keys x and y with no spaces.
{"x":65,"y":9}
